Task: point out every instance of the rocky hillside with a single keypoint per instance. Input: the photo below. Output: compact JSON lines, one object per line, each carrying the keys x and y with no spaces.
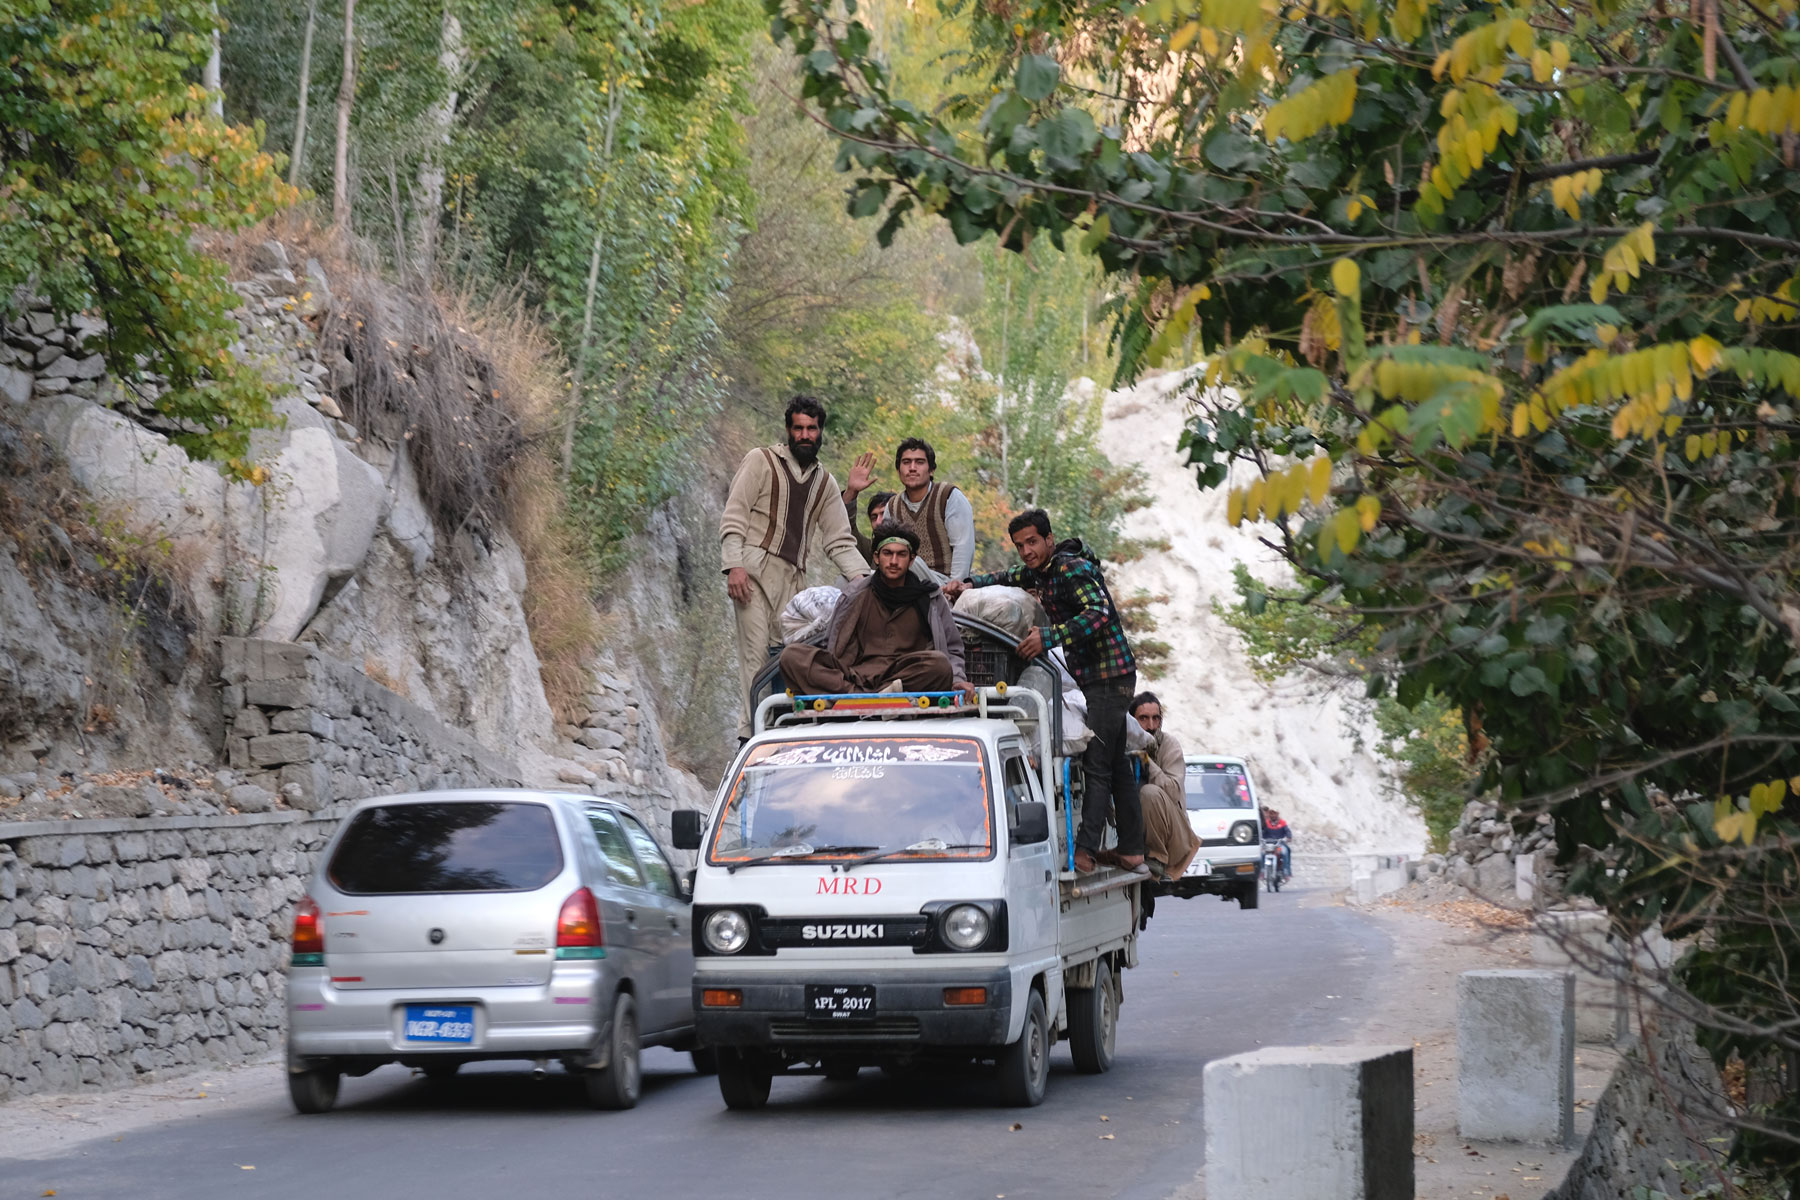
{"x":125,"y":565}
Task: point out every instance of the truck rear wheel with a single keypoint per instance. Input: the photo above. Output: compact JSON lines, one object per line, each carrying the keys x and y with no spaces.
{"x":1025,"y":1064}
{"x":743,"y":1080}
{"x":1094,"y":1022}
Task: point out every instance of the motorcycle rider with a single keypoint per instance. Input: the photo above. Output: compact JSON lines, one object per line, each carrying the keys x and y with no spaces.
{"x":1276,"y":830}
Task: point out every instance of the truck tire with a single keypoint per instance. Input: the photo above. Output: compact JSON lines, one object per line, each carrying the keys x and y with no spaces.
{"x":706,"y":1060}
{"x":1094,"y":1022}
{"x":743,"y":1080}
{"x":616,"y":1085}
{"x":1025,"y":1064}
{"x":314,"y":1090}
{"x":1248,"y":896}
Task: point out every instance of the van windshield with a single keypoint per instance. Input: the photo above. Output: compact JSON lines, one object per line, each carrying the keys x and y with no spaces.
{"x":452,"y":846}
{"x":843,"y":797}
{"x":1218,"y":785}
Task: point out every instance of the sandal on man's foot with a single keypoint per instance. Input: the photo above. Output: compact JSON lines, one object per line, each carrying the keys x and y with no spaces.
{"x":1084,"y":862}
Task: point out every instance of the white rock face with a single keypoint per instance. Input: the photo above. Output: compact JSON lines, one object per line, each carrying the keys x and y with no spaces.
{"x":1295,"y":733}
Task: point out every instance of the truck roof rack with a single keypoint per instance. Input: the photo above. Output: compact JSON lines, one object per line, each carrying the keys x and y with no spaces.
{"x":790,"y":709}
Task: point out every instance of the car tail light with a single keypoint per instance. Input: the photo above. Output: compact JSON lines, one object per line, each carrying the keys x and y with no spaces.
{"x":578,"y":932}
{"x":309,"y":934}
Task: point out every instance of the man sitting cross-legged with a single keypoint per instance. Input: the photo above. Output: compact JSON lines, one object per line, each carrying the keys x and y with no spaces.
{"x":892,"y":631}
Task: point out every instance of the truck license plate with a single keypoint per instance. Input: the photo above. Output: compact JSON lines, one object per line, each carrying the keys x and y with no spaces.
{"x":1199,"y":867}
{"x":840,"y":1001}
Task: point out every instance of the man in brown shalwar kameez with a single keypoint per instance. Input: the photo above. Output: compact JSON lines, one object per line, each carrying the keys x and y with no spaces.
{"x":1169,"y":836}
{"x":892,"y":631}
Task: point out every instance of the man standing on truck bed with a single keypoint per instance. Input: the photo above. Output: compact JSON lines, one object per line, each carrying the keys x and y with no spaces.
{"x":1068,"y":582}
{"x":781,"y":503}
{"x":938,"y":512}
{"x":892,"y":631}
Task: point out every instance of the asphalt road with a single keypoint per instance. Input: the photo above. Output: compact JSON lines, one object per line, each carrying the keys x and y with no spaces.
{"x":1213,"y":981}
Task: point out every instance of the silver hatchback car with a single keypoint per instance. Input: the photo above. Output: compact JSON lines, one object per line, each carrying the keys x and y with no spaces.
{"x":447,"y":927}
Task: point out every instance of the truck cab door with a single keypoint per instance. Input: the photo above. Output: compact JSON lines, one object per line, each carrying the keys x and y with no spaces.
{"x":1030,"y":870}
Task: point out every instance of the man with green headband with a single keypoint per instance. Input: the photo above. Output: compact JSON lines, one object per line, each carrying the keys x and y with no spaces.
{"x":891,"y":632}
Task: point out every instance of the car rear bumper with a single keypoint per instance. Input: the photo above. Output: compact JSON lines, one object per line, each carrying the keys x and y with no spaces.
{"x":910,"y":1012}
{"x":567,"y":1014}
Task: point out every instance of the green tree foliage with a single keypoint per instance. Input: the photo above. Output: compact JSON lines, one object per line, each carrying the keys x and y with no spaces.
{"x":1504,"y":297}
{"x":112,"y":162}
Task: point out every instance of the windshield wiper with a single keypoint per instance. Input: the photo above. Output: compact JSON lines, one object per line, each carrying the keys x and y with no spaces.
{"x":916,"y":847}
{"x":798,"y":850}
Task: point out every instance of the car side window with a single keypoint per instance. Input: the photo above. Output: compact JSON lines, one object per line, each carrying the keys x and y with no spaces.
{"x":615,"y":848}
{"x":662,"y":875}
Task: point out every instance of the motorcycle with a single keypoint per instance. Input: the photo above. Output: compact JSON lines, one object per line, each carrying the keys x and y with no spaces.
{"x":1271,"y":867}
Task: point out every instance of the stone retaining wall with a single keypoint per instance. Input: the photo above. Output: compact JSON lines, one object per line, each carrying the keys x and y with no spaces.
{"x":136,"y":949}
{"x":315,"y":730}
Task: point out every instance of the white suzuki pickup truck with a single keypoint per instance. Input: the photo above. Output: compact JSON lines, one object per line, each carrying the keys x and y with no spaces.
{"x":886,"y":880}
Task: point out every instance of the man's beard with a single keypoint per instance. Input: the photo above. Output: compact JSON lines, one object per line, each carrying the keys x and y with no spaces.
{"x":804,"y":452}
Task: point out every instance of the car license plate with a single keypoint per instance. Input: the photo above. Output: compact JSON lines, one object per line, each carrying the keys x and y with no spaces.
{"x":840,"y":1001}
{"x":1199,"y":867}
{"x":442,"y":1023}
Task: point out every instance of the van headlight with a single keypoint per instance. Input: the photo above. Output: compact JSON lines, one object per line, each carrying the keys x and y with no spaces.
{"x":726,"y":931}
{"x":1243,"y":833}
{"x":965,"y":926}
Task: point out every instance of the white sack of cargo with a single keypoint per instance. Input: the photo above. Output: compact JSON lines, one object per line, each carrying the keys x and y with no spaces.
{"x":1136,"y":740}
{"x":1015,"y":610}
{"x":1075,"y":731}
{"x":808,"y":614}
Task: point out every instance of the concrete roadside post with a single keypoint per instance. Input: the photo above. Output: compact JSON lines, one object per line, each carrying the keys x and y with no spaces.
{"x":1515,"y":1056}
{"x":1323,"y":1122}
{"x":1579,"y":942}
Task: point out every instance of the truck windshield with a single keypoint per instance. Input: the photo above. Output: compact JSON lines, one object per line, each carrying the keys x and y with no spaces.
{"x":835,"y":798}
{"x":1218,"y":785}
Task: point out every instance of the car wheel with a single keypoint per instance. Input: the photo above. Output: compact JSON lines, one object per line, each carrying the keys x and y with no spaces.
{"x":1025,"y":1064}
{"x":1094,"y":1022}
{"x":314,"y":1090}
{"x":1247,"y":896}
{"x":706,"y":1060}
{"x":743,"y":1080}
{"x":616,"y":1085}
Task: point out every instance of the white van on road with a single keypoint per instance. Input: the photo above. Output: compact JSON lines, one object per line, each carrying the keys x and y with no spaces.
{"x":886,"y":879}
{"x":1222,"y":809}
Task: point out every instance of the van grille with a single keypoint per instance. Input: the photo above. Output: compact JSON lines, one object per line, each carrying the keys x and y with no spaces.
{"x":787,"y":1029}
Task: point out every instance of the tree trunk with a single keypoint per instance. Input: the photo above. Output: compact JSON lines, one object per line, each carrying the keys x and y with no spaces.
{"x":340,"y":182}
{"x":209,"y":75}
{"x":614,"y":103}
{"x":294,"y":163}
{"x":428,"y":203}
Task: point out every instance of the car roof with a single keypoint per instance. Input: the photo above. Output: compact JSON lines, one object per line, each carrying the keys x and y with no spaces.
{"x":1222,"y":758}
{"x":464,"y":795}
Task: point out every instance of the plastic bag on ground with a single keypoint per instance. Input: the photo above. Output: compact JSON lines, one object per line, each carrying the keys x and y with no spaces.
{"x":808,"y":614}
{"x":1015,"y":610}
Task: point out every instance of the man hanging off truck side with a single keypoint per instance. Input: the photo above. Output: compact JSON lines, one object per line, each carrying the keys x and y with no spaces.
{"x":782,"y":503}
{"x":892,"y":631}
{"x":1072,"y":588}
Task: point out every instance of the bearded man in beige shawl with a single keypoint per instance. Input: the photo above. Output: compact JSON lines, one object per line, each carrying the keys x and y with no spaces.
{"x":1169,"y":837}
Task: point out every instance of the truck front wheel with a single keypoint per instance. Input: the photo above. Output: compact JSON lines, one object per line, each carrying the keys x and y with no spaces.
{"x":743,"y":1080}
{"x":1094,"y":1022}
{"x":1248,"y":896}
{"x":1025,"y":1065}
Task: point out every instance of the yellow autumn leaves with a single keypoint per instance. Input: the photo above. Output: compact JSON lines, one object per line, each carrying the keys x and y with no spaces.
{"x":1325,"y":103}
{"x":1735,"y":824}
{"x":1771,"y":113}
{"x":1623,"y":258}
{"x":1281,"y":493}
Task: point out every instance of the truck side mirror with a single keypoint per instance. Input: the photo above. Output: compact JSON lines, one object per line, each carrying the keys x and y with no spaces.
{"x":684,"y":829}
{"x":1031,"y":824}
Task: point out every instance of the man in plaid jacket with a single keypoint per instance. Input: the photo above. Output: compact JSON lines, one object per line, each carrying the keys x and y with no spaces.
{"x":1084,"y":621}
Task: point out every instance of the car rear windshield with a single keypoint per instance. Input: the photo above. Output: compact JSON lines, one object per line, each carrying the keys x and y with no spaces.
{"x":1218,"y":785}
{"x":455,"y":846}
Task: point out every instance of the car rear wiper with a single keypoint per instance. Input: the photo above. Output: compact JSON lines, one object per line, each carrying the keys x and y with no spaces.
{"x":916,"y":847}
{"x":798,"y":850}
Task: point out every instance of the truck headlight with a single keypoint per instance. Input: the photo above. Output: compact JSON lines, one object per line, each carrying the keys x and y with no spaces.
{"x":1243,"y":833}
{"x":966,"y":926}
{"x":726,"y":931}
